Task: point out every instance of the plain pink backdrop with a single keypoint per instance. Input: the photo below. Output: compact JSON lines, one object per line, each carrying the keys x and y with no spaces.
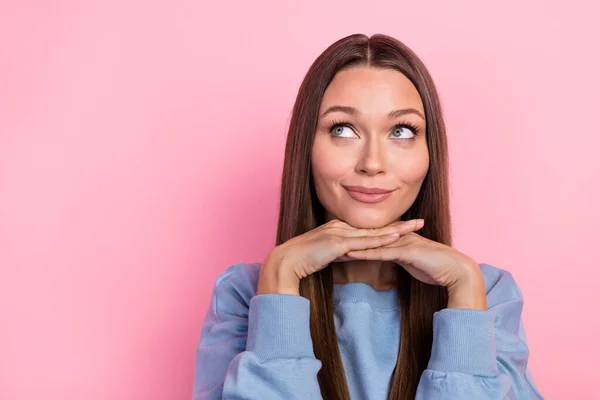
{"x":141,"y":145}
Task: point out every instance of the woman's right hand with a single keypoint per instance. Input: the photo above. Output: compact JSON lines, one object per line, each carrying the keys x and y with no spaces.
{"x":312,"y":251}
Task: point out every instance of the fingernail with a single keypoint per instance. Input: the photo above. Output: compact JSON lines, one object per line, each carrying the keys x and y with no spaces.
{"x":419,"y":222}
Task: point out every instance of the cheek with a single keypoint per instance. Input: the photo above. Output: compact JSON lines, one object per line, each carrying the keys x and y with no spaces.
{"x":329,"y":164}
{"x":412,"y":172}
{"x":329,"y":167}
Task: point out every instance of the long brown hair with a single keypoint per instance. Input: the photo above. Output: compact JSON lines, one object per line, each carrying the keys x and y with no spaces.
{"x":301,"y":211}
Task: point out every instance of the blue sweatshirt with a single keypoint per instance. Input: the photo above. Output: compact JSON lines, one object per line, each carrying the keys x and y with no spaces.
{"x":260,"y":347}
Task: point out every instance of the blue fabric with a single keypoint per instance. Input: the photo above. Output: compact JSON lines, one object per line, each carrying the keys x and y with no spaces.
{"x":260,"y":347}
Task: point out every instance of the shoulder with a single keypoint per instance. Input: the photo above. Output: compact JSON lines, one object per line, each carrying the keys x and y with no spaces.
{"x":500,"y":285}
{"x":233,"y":289}
{"x":241,"y":276}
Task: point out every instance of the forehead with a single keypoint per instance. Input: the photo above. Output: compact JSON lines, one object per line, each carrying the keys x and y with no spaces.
{"x":372,"y":90}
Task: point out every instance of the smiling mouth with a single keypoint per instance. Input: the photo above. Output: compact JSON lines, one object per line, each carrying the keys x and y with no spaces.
{"x":368,"y":197}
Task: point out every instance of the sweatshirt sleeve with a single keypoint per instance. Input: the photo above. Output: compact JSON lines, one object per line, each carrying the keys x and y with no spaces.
{"x":255,"y":346}
{"x":480,"y":354}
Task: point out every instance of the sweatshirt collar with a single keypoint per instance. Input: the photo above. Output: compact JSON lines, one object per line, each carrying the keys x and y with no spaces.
{"x":360,"y":291}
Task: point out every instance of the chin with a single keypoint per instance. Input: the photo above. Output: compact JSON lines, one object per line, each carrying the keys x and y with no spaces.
{"x":363,"y":219}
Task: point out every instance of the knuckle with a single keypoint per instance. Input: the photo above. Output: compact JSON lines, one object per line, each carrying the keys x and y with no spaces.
{"x":382,"y":240}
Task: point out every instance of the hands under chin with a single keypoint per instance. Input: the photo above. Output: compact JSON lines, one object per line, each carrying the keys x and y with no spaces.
{"x":435,"y":264}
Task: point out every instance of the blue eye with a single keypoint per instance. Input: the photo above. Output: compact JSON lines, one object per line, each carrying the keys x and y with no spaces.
{"x":337,"y":128}
{"x":403,"y":129}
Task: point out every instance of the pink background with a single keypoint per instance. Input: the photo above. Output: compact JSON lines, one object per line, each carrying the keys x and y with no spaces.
{"x":141,"y":145}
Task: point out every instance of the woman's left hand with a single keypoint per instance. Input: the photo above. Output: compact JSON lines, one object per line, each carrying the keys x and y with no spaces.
{"x":436,"y":264}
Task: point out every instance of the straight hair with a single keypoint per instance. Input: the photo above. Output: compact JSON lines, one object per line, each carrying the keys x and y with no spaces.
{"x":300,"y":211}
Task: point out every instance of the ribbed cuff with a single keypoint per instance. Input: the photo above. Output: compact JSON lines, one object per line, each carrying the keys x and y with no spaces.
{"x":279,"y":326}
{"x":464,"y":341}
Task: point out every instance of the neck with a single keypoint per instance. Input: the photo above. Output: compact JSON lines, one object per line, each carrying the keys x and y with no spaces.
{"x":380,"y":275}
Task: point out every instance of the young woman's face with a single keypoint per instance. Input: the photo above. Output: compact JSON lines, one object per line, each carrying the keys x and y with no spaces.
{"x":369,"y":148}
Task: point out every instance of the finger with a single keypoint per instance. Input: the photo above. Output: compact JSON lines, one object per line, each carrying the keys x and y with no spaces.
{"x":383,"y":254}
{"x":343,"y":258}
{"x":417,"y":223}
{"x":406,"y":226}
{"x":368,"y":242}
{"x":401,"y":226}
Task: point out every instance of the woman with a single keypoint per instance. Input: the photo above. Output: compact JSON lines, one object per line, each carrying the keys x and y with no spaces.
{"x":353,"y":303}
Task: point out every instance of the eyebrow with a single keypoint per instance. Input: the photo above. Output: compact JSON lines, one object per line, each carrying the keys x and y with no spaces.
{"x":355,"y":112}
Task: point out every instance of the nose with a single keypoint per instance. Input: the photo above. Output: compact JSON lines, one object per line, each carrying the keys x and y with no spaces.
{"x":373,"y":158}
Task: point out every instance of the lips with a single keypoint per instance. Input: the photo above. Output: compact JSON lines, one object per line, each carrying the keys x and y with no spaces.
{"x":368,"y":190}
{"x":368,"y":195}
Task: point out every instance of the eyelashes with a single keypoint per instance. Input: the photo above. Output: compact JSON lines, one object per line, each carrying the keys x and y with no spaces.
{"x":403,"y":125}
